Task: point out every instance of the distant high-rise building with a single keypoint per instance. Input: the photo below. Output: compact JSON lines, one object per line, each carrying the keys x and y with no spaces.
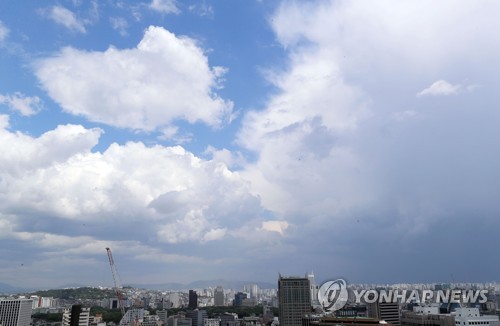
{"x":254,"y":292}
{"x":15,"y":312}
{"x":113,"y":303}
{"x":145,"y":302}
{"x":238,"y":299}
{"x":314,"y":289}
{"x":219,"y":296}
{"x":193,"y":300}
{"x":294,"y":295}
{"x":76,"y":316}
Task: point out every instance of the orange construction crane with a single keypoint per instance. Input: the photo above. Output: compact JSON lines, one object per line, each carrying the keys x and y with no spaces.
{"x":116,"y":279}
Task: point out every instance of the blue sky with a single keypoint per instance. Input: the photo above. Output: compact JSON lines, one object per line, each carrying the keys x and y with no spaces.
{"x":207,"y":139}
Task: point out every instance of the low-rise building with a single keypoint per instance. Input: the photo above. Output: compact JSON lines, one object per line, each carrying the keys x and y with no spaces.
{"x":76,"y":316}
{"x":471,"y":317}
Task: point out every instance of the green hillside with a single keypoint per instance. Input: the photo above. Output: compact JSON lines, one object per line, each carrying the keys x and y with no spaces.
{"x":78,"y":293}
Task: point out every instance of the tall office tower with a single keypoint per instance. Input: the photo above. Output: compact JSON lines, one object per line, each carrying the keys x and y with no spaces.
{"x":193,"y":300}
{"x":15,"y":312}
{"x":388,"y":311}
{"x":294,"y":295}
{"x":314,"y":289}
{"x":113,"y":304}
{"x":197,"y":316}
{"x":76,"y":316}
{"x":238,"y":299}
{"x":146,"y":302}
{"x":219,"y":296}
{"x":254,"y":292}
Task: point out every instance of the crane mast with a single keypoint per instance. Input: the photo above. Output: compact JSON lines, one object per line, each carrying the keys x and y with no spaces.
{"x":119,"y":293}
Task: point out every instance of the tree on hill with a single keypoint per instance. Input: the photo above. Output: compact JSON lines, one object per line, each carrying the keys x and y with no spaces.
{"x":77,"y":293}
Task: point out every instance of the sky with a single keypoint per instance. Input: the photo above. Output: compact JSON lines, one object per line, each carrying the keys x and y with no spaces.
{"x":209,"y":139}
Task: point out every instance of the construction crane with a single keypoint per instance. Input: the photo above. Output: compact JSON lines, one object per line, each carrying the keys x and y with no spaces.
{"x":116,"y":279}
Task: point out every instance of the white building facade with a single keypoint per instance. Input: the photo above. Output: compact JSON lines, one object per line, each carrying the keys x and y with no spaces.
{"x":15,"y":312}
{"x":471,"y":317}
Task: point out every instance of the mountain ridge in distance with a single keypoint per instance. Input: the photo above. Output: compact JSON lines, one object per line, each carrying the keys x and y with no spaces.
{"x":9,"y":289}
{"x":172,"y":286}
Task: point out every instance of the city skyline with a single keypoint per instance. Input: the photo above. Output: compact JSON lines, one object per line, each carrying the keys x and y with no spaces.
{"x":242,"y":286}
{"x":203,"y":140}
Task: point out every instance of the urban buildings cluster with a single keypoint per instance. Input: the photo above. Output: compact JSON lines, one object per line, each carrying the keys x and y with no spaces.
{"x":17,"y":311}
{"x":296,"y":298}
{"x":299,"y":304}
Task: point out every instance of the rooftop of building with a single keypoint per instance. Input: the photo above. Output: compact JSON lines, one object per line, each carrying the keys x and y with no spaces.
{"x":330,"y":321}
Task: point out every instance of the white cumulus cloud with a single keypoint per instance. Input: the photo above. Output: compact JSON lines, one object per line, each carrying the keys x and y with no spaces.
{"x":164,"y":78}
{"x":66,"y":18}
{"x":25,"y":105}
{"x":184,"y":197}
{"x":164,"y":6}
{"x":440,"y":87}
{"x":443,"y":88}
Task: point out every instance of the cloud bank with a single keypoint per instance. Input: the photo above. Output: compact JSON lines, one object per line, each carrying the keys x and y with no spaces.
{"x":343,"y":148}
{"x":59,"y":194}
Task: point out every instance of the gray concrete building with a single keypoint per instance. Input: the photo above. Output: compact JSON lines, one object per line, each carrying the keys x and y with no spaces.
{"x":294,"y":295}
